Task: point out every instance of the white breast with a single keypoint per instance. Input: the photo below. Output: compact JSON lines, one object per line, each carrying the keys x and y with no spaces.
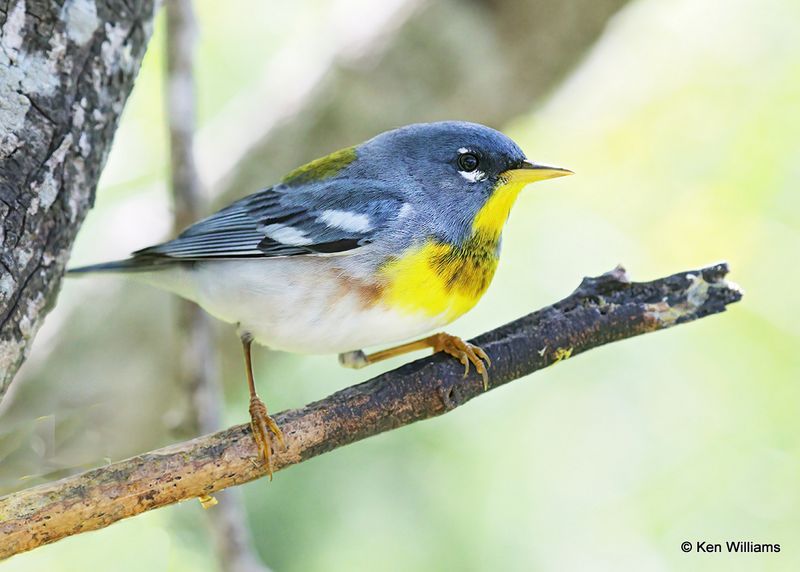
{"x":300,"y":305}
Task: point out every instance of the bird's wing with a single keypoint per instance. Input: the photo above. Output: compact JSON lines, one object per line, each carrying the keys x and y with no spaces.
{"x":284,"y":221}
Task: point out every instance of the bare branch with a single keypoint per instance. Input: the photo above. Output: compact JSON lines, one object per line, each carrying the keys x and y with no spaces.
{"x":407,"y":65}
{"x":181,"y":112}
{"x":602,"y":310}
{"x":196,"y":364}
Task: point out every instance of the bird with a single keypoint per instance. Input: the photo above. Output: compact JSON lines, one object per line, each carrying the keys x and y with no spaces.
{"x":373,"y":244}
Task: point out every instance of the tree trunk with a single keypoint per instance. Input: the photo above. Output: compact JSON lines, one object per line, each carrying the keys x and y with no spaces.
{"x":65,"y":74}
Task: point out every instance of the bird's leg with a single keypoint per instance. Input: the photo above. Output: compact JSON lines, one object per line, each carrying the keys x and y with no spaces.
{"x":260,"y":422}
{"x":464,"y":352}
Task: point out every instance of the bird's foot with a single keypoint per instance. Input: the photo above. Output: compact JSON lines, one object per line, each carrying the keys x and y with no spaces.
{"x":464,"y":352}
{"x":262,"y":425}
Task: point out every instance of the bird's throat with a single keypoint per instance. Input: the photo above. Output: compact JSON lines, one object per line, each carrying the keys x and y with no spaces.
{"x":446,"y":279}
{"x":492,"y":216}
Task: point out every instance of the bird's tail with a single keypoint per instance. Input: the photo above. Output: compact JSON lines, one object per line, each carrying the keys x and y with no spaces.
{"x":135,"y":264}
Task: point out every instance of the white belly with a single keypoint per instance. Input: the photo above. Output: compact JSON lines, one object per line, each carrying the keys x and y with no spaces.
{"x":296,"y":305}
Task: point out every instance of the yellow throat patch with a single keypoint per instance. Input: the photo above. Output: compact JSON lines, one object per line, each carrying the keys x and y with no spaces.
{"x":439,"y":278}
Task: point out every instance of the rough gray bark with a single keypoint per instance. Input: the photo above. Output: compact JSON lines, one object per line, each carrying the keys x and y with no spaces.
{"x":602,"y":310}
{"x":196,"y":357}
{"x":66,"y":70}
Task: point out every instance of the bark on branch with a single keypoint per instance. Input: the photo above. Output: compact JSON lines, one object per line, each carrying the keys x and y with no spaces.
{"x":602,"y":310}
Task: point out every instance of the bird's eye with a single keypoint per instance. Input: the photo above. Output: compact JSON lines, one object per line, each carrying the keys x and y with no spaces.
{"x":468,"y":162}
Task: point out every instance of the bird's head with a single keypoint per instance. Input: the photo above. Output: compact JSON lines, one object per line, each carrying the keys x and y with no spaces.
{"x":465,"y":172}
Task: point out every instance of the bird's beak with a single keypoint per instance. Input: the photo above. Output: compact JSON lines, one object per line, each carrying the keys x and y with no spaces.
{"x":529,"y":172}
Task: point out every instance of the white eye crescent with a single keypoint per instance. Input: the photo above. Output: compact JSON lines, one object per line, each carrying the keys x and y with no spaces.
{"x":473,"y":176}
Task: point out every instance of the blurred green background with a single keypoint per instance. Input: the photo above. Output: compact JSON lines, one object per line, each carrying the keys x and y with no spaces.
{"x":682,"y":123}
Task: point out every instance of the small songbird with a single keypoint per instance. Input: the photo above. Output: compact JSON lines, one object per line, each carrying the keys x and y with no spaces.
{"x":372,"y":244}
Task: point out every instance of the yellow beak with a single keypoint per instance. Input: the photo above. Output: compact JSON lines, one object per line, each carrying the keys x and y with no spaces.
{"x":530,"y":172}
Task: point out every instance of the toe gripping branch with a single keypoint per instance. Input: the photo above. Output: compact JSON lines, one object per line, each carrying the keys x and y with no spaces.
{"x":262,"y":425}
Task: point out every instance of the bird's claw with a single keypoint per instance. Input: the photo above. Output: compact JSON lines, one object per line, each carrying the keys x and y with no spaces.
{"x":262,"y":425}
{"x":466,"y":353}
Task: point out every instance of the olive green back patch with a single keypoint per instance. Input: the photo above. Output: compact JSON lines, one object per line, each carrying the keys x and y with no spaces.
{"x":322,"y":168}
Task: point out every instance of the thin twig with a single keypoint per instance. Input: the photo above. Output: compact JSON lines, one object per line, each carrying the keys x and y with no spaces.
{"x":602,"y":310}
{"x":196,"y":363}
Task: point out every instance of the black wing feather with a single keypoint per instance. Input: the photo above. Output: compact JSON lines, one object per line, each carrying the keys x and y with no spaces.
{"x":249,"y":228}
